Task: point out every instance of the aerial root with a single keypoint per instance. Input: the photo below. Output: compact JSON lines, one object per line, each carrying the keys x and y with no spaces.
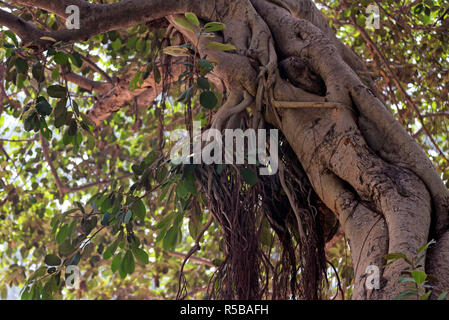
{"x":231,"y":107}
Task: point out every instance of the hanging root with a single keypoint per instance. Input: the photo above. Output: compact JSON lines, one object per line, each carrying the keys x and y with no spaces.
{"x":232,"y":107}
{"x":251,"y":269}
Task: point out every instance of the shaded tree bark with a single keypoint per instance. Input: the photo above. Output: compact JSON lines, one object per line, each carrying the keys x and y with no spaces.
{"x":289,"y":65}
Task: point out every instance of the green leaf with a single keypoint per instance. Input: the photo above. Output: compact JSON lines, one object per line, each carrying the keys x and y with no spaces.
{"x":12,"y":36}
{"x":61,"y":58}
{"x":396,"y":256}
{"x":128,"y":217}
{"x":249,"y":176}
{"x":66,"y":248}
{"x":443,"y":295}
{"x":406,"y":294}
{"x":186,"y":95}
{"x":52,"y":260}
{"x":419,"y":276}
{"x":73,"y":128}
{"x":131,"y":43}
{"x":21,"y":65}
{"x":47,"y":133}
{"x":38,"y":72}
{"x":87,"y":120}
{"x":62,"y":234}
{"x":220,"y":46}
{"x":214,"y":26}
{"x":425,"y":247}
{"x":109,"y":252}
{"x":401,"y":280}
{"x":43,"y":107}
{"x":205,"y":66}
{"x":170,"y":239}
{"x":40,"y":272}
{"x":157,"y":75}
{"x":426,"y":295}
{"x":203,"y":83}
{"x":184,"y":23}
{"x":116,"y":262}
{"x":192,"y":18}
{"x":161,"y":174}
{"x":189,"y":183}
{"x":137,"y":81}
{"x":164,"y":223}
{"x":138,"y":209}
{"x":57,"y":91}
{"x":128,"y":264}
{"x":418,"y":9}
{"x":208,"y":100}
{"x":141,"y":255}
{"x":105,"y":219}
{"x":181,"y":190}
{"x":176,"y":51}
{"x":76,"y":59}
{"x":137,"y":169}
{"x":117,"y":44}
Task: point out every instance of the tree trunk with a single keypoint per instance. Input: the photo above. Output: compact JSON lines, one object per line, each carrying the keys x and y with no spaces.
{"x":362,"y":164}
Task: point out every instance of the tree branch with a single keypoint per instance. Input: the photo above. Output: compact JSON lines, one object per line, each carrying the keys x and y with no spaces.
{"x":98,"y":18}
{"x":3,"y":95}
{"x":86,"y":83}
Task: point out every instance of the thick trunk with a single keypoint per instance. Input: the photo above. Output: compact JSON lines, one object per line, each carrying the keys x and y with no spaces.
{"x":383,"y":195}
{"x":381,"y":200}
{"x":362,"y":164}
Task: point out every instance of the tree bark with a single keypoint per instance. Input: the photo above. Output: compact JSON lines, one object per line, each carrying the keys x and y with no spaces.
{"x":362,"y":164}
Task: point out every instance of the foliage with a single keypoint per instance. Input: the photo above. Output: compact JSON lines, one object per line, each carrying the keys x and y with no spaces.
{"x":420,"y":281}
{"x":107,"y":200}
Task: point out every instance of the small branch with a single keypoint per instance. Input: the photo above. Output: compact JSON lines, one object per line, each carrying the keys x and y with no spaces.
{"x":94,"y":184}
{"x":62,"y":188}
{"x":338,"y":282}
{"x":27,"y":31}
{"x":441,"y":17}
{"x":436,"y":114}
{"x":97,"y":18}
{"x":86,"y":83}
{"x":96,"y":68}
{"x":192,"y":258}
{"x":2,"y":149}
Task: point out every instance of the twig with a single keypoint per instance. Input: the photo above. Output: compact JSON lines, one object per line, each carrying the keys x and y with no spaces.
{"x":192,"y":258}
{"x":61,"y":188}
{"x":441,"y":17}
{"x":3,"y":95}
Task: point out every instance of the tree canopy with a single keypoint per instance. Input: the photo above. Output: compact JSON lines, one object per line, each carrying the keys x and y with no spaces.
{"x":85,"y":128}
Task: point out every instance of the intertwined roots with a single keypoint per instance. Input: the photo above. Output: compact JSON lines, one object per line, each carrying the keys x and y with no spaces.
{"x":258,"y":266}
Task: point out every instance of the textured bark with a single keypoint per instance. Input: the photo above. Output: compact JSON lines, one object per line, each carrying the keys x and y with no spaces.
{"x":362,"y":164}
